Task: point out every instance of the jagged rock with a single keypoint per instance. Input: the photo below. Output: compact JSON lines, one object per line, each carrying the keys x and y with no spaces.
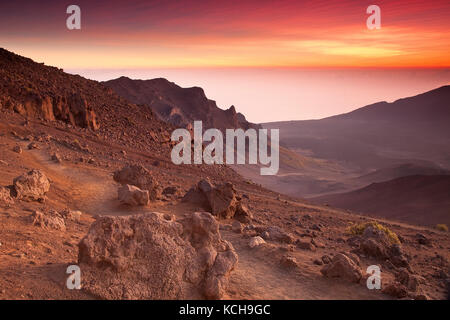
{"x":243,"y":214}
{"x":55,"y":157}
{"x":133,"y":196}
{"x":288,"y":262}
{"x":326,"y":259}
{"x":318,"y":262}
{"x":31,"y":186}
{"x":256,"y":241}
{"x":395,"y":289}
{"x":5,"y":197}
{"x":318,"y":243}
{"x":305,"y":244}
{"x":422,"y":239}
{"x":170,"y":191}
{"x":147,"y":256}
{"x":373,"y":248}
{"x":221,"y":200}
{"x":33,"y":145}
{"x":137,"y":175}
{"x":73,"y":215}
{"x":375,"y":243}
{"x":275,"y":233}
{"x":237,"y":227}
{"x":342,"y":267}
{"x":17,"y":149}
{"x":411,"y":282}
{"x":48,"y":220}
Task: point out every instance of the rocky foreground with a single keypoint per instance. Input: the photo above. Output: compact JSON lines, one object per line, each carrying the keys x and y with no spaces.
{"x":149,"y":232}
{"x":86,"y":179}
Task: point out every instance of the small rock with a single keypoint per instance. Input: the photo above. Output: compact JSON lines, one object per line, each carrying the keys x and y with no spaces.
{"x":17,"y":149}
{"x":49,"y":220}
{"x":33,"y":145}
{"x":304,"y":244}
{"x":56,"y":158}
{"x":237,"y":227}
{"x":132,"y":195}
{"x":256,"y":241}
{"x":342,"y":267}
{"x":396,"y":290}
{"x":288,"y":262}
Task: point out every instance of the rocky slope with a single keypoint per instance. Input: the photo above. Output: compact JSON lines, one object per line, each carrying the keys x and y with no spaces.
{"x":418,"y":199}
{"x":59,"y":206}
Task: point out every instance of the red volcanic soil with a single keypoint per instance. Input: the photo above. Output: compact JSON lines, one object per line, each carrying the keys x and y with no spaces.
{"x":79,"y":160}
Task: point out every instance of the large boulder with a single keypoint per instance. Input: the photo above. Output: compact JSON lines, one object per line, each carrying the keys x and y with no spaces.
{"x":152,"y":256}
{"x":220,"y":200}
{"x":133,"y":196}
{"x":138,"y":176}
{"x":342,"y":267}
{"x":5,"y":197}
{"x":31,"y":186}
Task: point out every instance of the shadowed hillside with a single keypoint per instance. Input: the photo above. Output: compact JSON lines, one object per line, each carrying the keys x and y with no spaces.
{"x":423,"y":200}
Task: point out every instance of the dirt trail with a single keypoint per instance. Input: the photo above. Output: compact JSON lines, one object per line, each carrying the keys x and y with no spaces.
{"x":258,"y":274}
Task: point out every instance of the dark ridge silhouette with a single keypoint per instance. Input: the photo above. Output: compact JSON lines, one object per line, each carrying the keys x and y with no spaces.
{"x":176,"y":105}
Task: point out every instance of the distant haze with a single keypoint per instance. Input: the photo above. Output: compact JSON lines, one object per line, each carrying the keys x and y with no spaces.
{"x":277,"y":94}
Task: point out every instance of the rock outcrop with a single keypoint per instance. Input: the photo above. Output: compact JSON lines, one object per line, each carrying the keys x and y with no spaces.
{"x":152,"y":256}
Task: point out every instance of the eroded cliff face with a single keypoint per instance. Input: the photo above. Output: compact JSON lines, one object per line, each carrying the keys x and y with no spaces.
{"x":71,"y":109}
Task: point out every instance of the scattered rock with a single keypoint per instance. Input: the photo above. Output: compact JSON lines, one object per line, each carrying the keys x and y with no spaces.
{"x":326,"y":259}
{"x":422,"y":239}
{"x":33,"y":145}
{"x":288,"y":262}
{"x":137,"y":175}
{"x":31,"y":186}
{"x":395,"y":289}
{"x":56,"y":158}
{"x":342,"y":267}
{"x":243,"y":214}
{"x":148,"y":257}
{"x":170,"y":191}
{"x":411,"y":282}
{"x":48,"y":220}
{"x":275,"y":233}
{"x":305,"y":244}
{"x":318,"y":243}
{"x":237,"y":227}
{"x":132,"y":195}
{"x":73,"y":215}
{"x":5,"y":197}
{"x":318,"y":262}
{"x":256,"y":241}
{"x":222,"y":200}
{"x":17,"y":149}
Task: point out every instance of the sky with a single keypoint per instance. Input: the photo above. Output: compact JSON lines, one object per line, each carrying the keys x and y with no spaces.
{"x":273,"y":60}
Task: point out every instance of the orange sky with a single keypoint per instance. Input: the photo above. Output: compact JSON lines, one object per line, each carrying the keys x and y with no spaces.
{"x":316,"y":33}
{"x":273,"y":60}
